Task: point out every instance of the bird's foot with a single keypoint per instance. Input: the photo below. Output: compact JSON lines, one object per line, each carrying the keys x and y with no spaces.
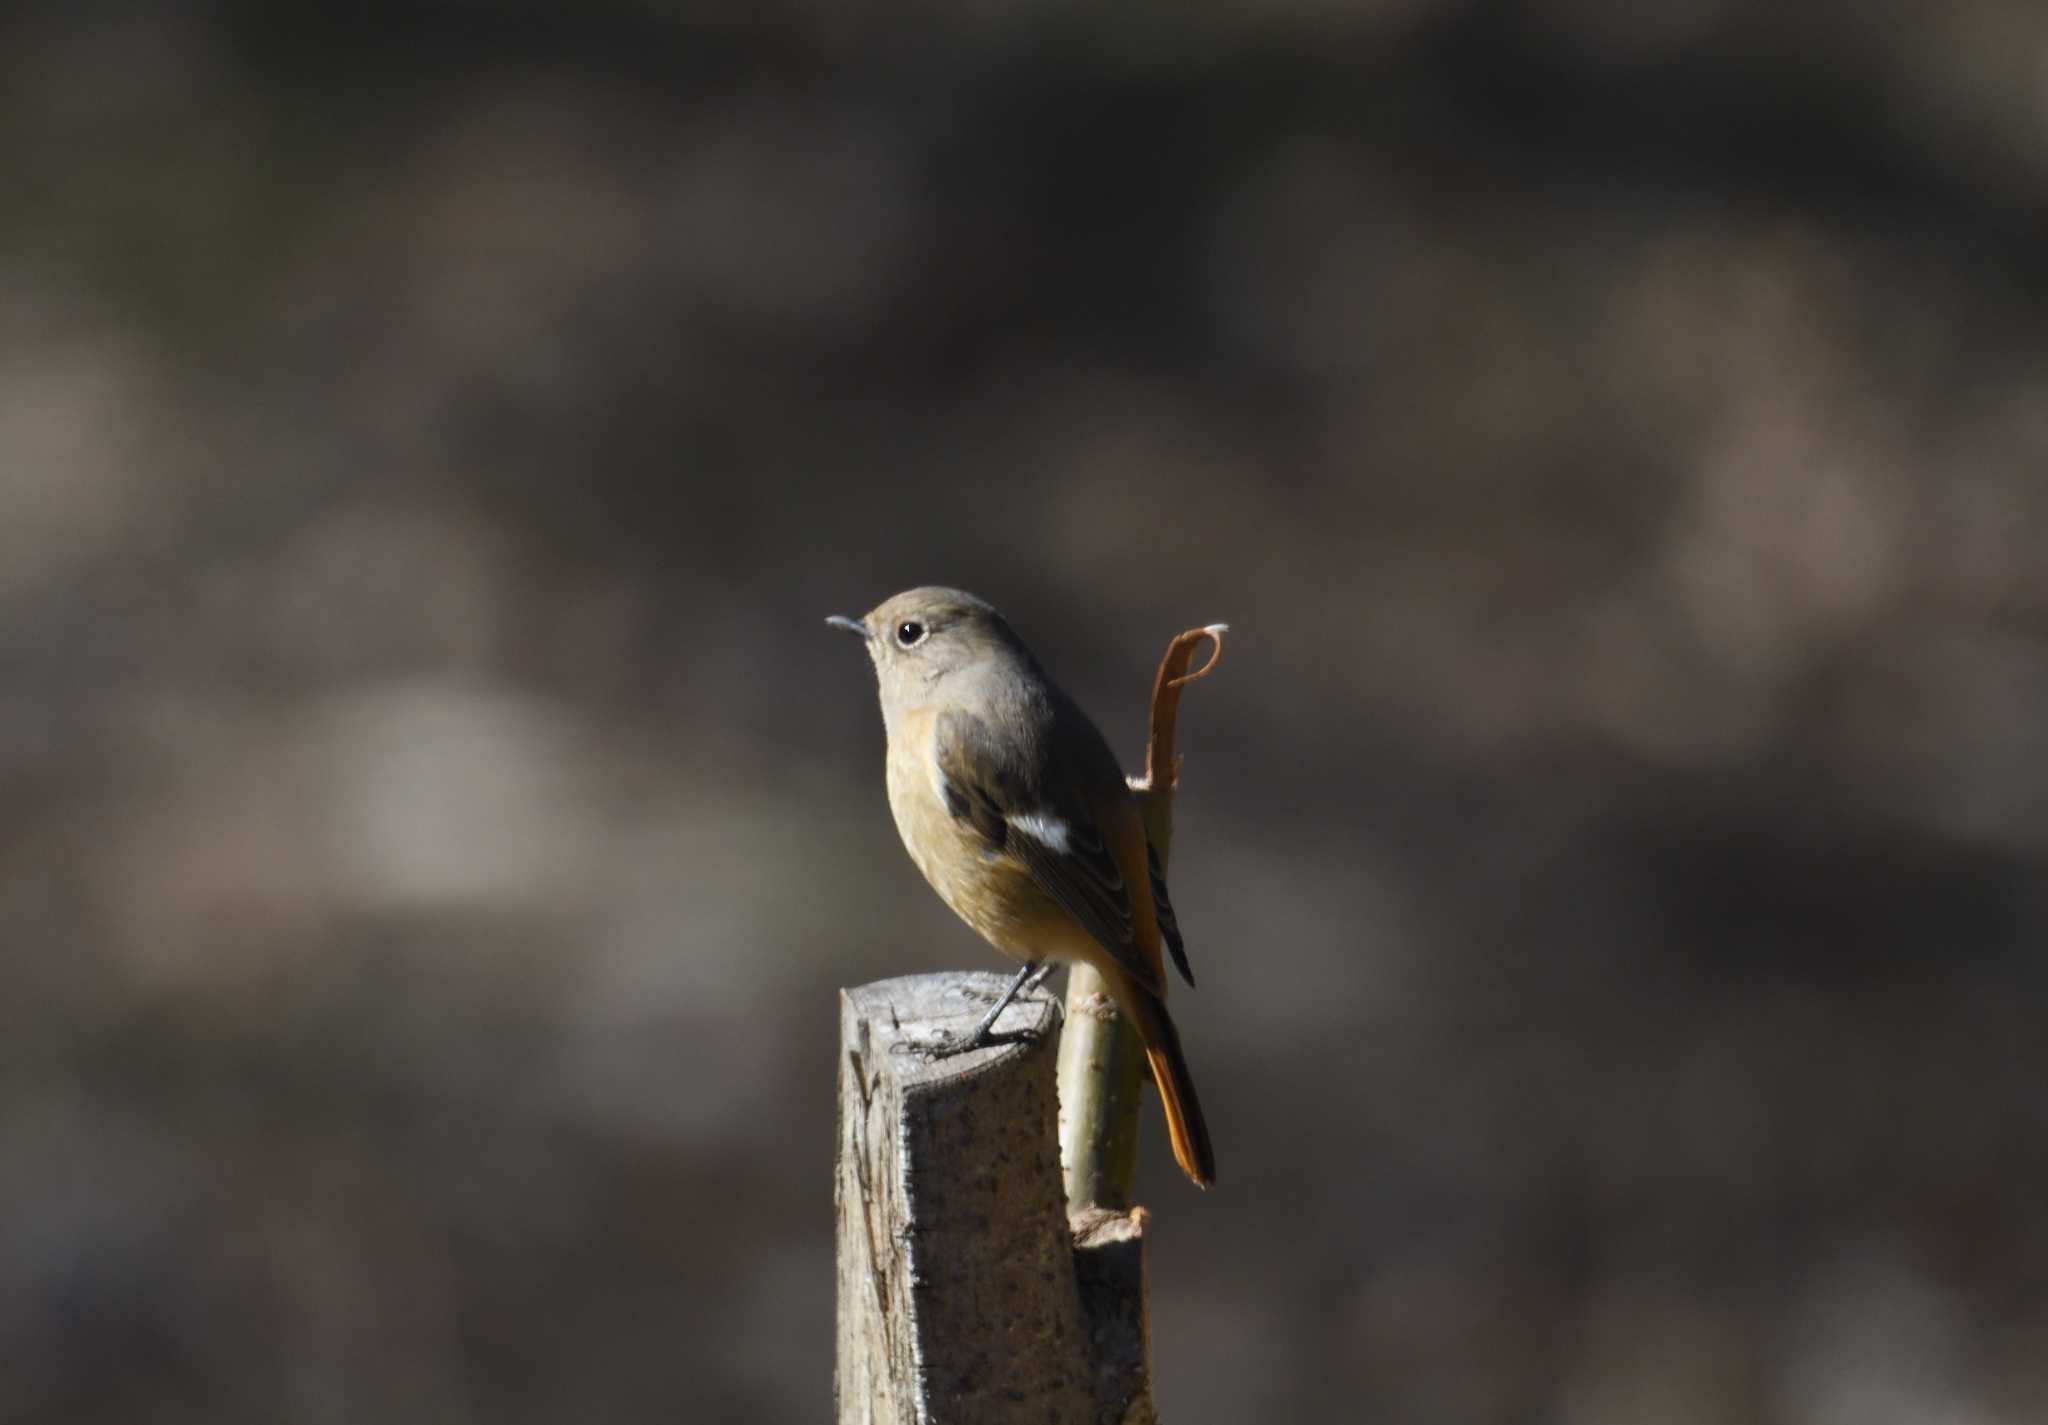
{"x":951,"y":1046}
{"x":948,"y":1046}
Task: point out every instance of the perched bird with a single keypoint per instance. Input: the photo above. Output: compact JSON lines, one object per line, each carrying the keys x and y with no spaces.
{"x":1015,"y":809}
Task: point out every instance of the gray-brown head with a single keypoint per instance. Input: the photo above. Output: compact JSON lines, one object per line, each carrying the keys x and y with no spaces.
{"x":923,"y":636}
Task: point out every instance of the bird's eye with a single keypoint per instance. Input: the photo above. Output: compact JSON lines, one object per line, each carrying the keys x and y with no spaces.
{"x":908,"y":635}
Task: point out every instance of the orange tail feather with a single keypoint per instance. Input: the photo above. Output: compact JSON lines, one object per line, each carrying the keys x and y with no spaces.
{"x":1185,"y":1126}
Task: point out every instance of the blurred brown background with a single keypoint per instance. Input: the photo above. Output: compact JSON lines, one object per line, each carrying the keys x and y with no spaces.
{"x":436,"y":820}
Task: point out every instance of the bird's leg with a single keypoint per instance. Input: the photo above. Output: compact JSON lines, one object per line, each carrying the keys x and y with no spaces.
{"x":1027,"y":978}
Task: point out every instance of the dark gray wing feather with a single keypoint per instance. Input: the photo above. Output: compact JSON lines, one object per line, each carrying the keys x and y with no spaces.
{"x":1169,"y":923}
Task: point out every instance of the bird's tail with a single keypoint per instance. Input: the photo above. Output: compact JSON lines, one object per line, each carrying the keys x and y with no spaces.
{"x":1184,"y":1122}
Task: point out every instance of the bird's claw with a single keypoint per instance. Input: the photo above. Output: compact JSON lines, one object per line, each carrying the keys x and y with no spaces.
{"x":951,"y":1046}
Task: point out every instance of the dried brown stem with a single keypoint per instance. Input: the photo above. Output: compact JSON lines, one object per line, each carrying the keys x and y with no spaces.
{"x":1173,"y":676}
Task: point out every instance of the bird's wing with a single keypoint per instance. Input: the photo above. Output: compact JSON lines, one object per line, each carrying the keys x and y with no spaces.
{"x":1059,"y":841}
{"x":1169,"y":923}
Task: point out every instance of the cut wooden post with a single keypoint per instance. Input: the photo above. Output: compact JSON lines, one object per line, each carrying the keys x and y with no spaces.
{"x":963,"y":1295}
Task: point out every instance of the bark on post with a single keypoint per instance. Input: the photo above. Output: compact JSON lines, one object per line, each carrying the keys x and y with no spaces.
{"x":963,"y":1295}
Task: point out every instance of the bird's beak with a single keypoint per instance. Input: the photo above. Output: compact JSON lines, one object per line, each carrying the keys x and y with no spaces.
{"x":851,"y":625}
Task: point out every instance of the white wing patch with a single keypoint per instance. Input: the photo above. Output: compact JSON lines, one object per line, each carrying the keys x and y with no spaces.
{"x":1048,"y":829}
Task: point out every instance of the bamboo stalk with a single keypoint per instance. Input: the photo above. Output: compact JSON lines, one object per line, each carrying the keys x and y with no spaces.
{"x":1101,"y":1063}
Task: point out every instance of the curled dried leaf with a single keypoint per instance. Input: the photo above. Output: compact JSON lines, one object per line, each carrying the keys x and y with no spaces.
{"x":1161,"y":759}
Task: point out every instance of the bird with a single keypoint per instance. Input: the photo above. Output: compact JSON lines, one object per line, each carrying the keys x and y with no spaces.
{"x":1012,"y":805}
